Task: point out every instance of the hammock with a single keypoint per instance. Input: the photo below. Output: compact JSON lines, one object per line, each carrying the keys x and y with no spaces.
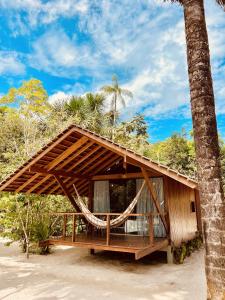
{"x":91,"y":218}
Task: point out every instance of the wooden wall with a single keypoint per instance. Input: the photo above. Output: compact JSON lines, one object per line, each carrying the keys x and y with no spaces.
{"x":183,"y":222}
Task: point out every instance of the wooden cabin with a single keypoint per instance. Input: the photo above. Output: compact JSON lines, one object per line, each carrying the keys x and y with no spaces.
{"x":108,"y":178}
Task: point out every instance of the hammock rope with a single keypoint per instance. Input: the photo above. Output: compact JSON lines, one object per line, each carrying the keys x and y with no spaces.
{"x":97,"y":222}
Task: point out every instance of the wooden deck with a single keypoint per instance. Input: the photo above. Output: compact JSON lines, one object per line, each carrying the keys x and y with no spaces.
{"x":138,"y":245}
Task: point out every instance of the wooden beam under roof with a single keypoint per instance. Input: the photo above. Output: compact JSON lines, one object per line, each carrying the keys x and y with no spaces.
{"x":31,"y":179}
{"x":67,"y":152}
{"x":67,"y":193}
{"x":120,"y":176}
{"x":182,"y":178}
{"x":57,"y":160}
{"x":137,"y":159}
{"x":154,"y":197}
{"x":36,"y":158}
{"x":73,"y":166}
{"x":90,"y":168}
{"x":108,"y":165}
{"x":56,"y":172}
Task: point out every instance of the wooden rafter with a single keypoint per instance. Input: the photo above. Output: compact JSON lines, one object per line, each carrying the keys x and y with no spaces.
{"x":118,"y":176}
{"x":37,"y":158}
{"x":66,"y":192}
{"x":95,"y":162}
{"x":108,"y":165}
{"x":56,"y":172}
{"x":31,"y":179}
{"x":154,"y":197}
{"x":67,"y":152}
{"x":77,"y":163}
{"x":45,"y":188}
{"x":57,"y":160}
{"x":76,"y":154}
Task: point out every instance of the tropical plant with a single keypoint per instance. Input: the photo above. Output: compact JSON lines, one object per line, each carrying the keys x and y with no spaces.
{"x":206,"y":144}
{"x":116,"y":94}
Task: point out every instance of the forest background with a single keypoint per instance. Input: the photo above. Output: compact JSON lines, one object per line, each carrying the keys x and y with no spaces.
{"x":28,"y":121}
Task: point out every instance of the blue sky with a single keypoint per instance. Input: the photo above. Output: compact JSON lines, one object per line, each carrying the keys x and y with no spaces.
{"x":75,"y":46}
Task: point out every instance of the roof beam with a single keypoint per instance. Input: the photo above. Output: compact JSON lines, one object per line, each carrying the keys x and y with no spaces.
{"x":154,"y":197}
{"x":56,"y":172}
{"x":138,"y":159}
{"x":31,"y":179}
{"x":57,"y":160}
{"x":72,"y":167}
{"x":36,"y":158}
{"x":120,"y":176}
{"x":67,"y":193}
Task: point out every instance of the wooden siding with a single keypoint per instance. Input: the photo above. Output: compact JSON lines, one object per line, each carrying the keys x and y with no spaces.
{"x":183,"y":222}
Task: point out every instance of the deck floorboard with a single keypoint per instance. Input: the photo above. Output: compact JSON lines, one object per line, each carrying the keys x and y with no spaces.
{"x":138,"y":245}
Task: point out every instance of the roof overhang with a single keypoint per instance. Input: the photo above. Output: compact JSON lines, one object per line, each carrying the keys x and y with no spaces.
{"x":77,"y":156}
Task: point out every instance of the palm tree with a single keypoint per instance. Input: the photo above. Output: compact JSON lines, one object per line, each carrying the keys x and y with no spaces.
{"x":117,"y":94}
{"x":206,"y":144}
{"x":95,"y":102}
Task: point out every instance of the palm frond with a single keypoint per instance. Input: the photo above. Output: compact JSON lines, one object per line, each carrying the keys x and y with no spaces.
{"x":127,"y":93}
{"x":221,"y":3}
{"x":108,"y":89}
{"x":122,"y":100}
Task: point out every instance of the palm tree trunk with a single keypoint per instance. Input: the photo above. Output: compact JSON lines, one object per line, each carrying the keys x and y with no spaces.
{"x":207,"y":146}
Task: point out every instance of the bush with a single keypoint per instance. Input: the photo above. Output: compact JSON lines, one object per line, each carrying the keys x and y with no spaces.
{"x":186,"y":248}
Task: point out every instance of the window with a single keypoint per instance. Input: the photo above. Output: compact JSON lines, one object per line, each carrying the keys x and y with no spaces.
{"x":122,"y":193}
{"x":192,"y":206}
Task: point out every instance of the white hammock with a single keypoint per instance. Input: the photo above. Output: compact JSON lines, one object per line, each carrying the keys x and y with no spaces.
{"x":91,"y":218}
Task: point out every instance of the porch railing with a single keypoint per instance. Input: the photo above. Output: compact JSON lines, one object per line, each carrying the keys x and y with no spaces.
{"x":107,"y":217}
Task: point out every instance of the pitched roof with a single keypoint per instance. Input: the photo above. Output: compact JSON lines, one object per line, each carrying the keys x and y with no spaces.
{"x":77,"y":155}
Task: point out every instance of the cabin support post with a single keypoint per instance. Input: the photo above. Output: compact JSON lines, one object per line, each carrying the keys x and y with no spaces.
{"x":154,"y":197}
{"x":64,"y":225}
{"x":67,"y":193}
{"x":108,"y":230}
{"x":90,"y":207}
{"x":151,"y":230}
{"x":166,"y":204}
{"x":169,"y":255}
{"x":74,"y":229}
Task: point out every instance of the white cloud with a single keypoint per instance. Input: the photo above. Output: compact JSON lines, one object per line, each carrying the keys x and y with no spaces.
{"x":143,"y":42}
{"x":42,"y":12}
{"x":59,"y":55}
{"x":10,"y":64}
{"x":59,"y":97}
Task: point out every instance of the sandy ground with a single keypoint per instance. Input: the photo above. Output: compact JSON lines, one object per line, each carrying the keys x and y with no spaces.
{"x":71,"y":273}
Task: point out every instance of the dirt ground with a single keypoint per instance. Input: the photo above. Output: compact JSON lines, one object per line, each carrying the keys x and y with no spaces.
{"x":71,"y":273}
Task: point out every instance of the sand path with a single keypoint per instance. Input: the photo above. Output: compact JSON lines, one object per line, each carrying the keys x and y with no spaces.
{"x":71,"y":273}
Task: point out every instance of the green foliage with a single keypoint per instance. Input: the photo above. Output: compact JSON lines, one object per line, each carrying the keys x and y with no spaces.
{"x":177,"y":152}
{"x":186,"y":248}
{"x":31,"y":122}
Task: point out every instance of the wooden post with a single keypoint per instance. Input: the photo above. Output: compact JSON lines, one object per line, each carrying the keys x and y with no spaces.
{"x":64,"y":225}
{"x":74,"y":229}
{"x":166,"y":204}
{"x":90,"y":202}
{"x":151,"y":229}
{"x":154,"y":197}
{"x":169,"y":255}
{"x":108,"y":230}
{"x":67,"y":193}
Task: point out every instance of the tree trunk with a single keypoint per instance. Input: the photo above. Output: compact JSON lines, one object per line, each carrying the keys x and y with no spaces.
{"x":207,"y":146}
{"x":27,"y":249}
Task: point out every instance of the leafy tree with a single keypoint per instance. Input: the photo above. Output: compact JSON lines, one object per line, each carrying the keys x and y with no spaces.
{"x":177,"y":152}
{"x":26,"y":218}
{"x":133,"y":134}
